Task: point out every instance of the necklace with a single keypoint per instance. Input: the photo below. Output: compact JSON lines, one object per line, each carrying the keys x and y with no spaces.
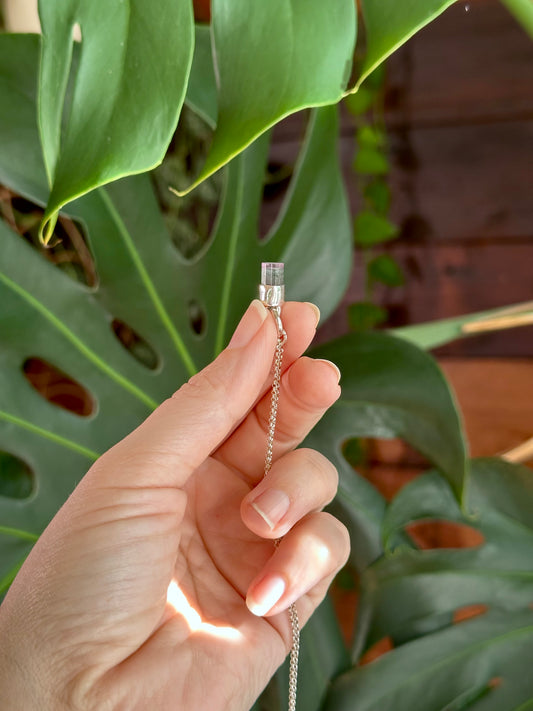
{"x":271,"y":293}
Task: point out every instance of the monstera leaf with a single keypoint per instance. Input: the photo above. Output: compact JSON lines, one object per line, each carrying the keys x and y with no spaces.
{"x":411,"y":595}
{"x":389,"y":24}
{"x":409,"y":587}
{"x":390,"y":389}
{"x":127,"y":93}
{"x":480,"y":665}
{"x":273,"y":59}
{"x":144,"y":282}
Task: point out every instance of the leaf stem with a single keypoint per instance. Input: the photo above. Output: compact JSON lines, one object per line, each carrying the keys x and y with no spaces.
{"x":18,"y":533}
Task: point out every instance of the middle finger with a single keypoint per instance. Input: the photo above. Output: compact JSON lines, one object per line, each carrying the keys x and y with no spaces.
{"x":307,"y":389}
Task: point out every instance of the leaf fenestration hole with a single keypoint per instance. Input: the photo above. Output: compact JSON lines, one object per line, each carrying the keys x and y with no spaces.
{"x":468,"y":612}
{"x":16,"y":477}
{"x":285,"y":147}
{"x":377,"y":650}
{"x":388,"y":464}
{"x":189,"y":219}
{"x":140,"y":349}
{"x":197,"y":318}
{"x":58,"y":387}
{"x":430,"y":534}
{"x":69,"y":247}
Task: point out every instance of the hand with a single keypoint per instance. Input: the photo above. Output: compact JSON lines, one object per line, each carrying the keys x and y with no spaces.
{"x":134,"y":596}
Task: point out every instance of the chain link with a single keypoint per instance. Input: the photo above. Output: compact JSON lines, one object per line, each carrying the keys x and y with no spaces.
{"x":274,"y":402}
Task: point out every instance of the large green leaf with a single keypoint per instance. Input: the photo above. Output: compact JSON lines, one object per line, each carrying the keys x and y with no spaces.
{"x":410,"y":591}
{"x":127,"y":95}
{"x":202,"y":89}
{"x":274,"y":58}
{"x":390,"y":23}
{"x":143,"y":281}
{"x":389,"y":389}
{"x":480,"y":665}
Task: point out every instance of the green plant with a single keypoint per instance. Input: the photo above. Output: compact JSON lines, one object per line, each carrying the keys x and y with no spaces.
{"x":391,"y":387}
{"x":372,"y":226}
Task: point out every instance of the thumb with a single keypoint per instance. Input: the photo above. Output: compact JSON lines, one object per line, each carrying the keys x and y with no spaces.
{"x":176,"y":438}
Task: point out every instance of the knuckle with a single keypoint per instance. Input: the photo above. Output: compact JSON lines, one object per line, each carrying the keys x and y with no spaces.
{"x":206,"y":383}
{"x":208,"y":386}
{"x":321,"y":469}
{"x":340,"y":539}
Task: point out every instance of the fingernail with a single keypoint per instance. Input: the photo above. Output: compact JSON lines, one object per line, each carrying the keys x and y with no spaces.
{"x":271,"y":505}
{"x":265,"y":595}
{"x":333,"y":367}
{"x":249,"y":324}
{"x":316,"y":310}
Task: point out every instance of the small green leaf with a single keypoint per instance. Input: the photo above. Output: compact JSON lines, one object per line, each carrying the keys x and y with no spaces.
{"x":127,"y":91}
{"x":371,"y":161}
{"x":378,"y":194}
{"x":371,"y":229}
{"x":360,"y":102}
{"x":371,"y":137}
{"x":364,"y":315}
{"x":386,"y":270}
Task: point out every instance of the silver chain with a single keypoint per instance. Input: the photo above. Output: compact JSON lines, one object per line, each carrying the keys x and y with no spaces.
{"x":274,"y":402}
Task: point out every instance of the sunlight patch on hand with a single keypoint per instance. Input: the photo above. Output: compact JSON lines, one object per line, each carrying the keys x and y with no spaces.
{"x":179,"y":602}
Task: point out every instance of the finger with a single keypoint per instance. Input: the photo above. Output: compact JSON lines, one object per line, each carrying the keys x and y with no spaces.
{"x":168,"y":446}
{"x":299,"y":483}
{"x":308,"y":388}
{"x":310,"y":553}
{"x":300,"y":321}
{"x":187,"y":427}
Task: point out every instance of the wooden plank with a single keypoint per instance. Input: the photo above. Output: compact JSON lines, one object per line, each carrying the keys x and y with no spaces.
{"x":446,"y":280}
{"x":462,"y":182}
{"x":465,"y":67}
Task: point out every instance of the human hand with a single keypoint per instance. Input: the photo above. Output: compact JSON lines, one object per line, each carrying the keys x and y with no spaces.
{"x":134,"y":596}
